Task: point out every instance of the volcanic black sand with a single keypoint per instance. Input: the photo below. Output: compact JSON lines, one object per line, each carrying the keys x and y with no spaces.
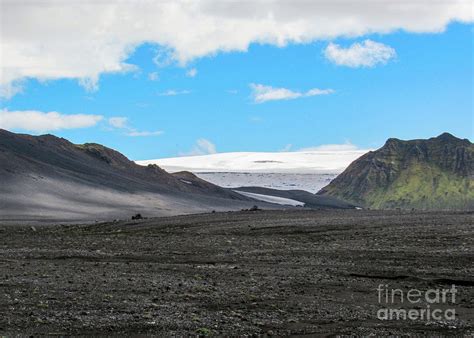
{"x":263,"y":272}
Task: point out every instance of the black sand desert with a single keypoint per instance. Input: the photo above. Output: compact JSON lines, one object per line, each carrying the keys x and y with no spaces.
{"x":236,"y":273}
{"x":236,"y":168}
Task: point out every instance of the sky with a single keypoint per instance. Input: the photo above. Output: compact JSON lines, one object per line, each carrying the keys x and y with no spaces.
{"x":165,"y":79}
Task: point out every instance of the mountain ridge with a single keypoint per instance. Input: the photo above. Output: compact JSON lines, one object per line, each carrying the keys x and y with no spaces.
{"x":436,"y":173}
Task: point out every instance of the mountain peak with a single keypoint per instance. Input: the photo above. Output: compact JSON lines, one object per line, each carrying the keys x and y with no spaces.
{"x":392,"y":142}
{"x":447,"y":136}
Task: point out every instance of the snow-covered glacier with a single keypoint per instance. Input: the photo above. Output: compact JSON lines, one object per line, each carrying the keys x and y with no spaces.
{"x":304,"y":170}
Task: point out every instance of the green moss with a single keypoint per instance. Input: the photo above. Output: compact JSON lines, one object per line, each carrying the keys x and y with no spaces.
{"x":424,"y":186}
{"x":89,"y":146}
{"x":203,"y":331}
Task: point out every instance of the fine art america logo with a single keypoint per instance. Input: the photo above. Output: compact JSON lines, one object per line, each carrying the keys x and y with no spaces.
{"x":429,"y":305}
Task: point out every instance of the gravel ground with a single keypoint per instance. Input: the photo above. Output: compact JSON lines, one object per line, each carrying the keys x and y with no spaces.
{"x":262,"y":272}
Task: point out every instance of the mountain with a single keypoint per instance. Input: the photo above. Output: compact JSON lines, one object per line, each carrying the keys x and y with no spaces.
{"x":50,"y":178}
{"x":437,"y":173}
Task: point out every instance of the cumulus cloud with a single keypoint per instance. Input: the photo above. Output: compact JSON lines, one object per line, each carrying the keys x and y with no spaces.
{"x":172,"y":92}
{"x":37,"y":121}
{"x":120,"y":122}
{"x":88,"y":38}
{"x":202,"y":147}
{"x":262,"y":93}
{"x":192,"y":72}
{"x":366,"y":54}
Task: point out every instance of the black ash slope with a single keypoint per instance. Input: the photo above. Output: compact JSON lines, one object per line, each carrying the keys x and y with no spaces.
{"x":50,"y":178}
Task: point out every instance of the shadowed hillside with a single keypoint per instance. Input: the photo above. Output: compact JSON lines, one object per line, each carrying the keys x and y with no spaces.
{"x":46,"y":177}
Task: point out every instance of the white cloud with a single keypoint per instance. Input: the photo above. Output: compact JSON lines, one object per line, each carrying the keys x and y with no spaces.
{"x":88,"y":38}
{"x":37,"y":121}
{"x":202,"y":147}
{"x":121,"y":122}
{"x":332,"y":147}
{"x":262,"y":93}
{"x":192,"y":72}
{"x":366,"y":54}
{"x":153,"y":76}
{"x":173,"y":92}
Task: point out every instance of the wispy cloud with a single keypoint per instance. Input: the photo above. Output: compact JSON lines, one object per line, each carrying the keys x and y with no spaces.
{"x":262,"y":93}
{"x":136,"y":133}
{"x":10,"y":89}
{"x":153,"y":76}
{"x":202,"y":147}
{"x":255,"y":119}
{"x":332,"y":147}
{"x":38,"y":121}
{"x":163,"y":57}
{"x":120,"y":122}
{"x":142,"y":104}
{"x":173,"y":92}
{"x":286,"y":148}
{"x":366,"y":54}
{"x":191,"y":72}
{"x":90,"y":83}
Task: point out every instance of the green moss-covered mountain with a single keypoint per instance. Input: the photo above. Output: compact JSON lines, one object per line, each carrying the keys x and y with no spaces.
{"x":437,"y":173}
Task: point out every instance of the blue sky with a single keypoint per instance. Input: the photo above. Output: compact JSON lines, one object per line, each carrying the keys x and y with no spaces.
{"x":421,"y":88}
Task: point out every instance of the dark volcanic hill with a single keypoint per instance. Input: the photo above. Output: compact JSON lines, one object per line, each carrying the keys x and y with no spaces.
{"x":437,"y":173}
{"x":46,"y":177}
